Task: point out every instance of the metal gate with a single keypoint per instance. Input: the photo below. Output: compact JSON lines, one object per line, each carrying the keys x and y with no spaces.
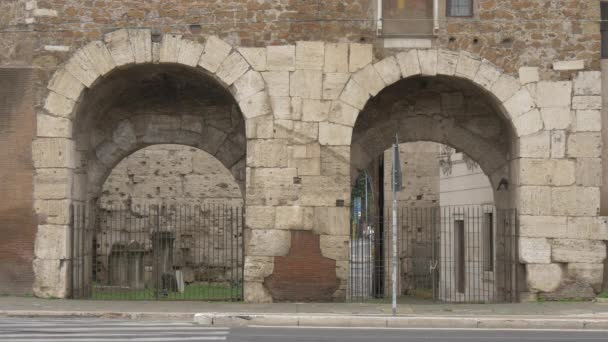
{"x":464,"y":254}
{"x":157,"y":252}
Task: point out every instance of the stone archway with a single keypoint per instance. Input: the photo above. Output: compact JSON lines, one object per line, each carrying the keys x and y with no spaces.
{"x":75,"y":149}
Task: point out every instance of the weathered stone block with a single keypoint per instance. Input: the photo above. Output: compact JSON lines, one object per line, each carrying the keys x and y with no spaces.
{"x":216,"y":51}
{"x":310,"y":55}
{"x":315,"y":110}
{"x":190,"y":52}
{"x":334,"y":134}
{"x":557,"y":117}
{"x":281,"y":58}
{"x":409,"y":63}
{"x":534,"y":251}
{"x":569,"y":65}
{"x":428,"y":62}
{"x":554,"y":94}
{"x":255,"y":292}
{"x":588,"y":83}
{"x":519,"y":103}
{"x":558,"y":144}
{"x":586,"y":228}
{"x":307,"y":84}
{"x":389,"y":70}
{"x":578,"y":251}
{"x":256,"y":57}
{"x":360,"y":56}
{"x":249,"y":84}
{"x":333,"y":84}
{"x":278,"y":82}
{"x":100,"y":57}
{"x":343,"y":114}
{"x":59,"y":105}
{"x":332,"y":221}
{"x":584,"y":145}
{"x":487,"y":75}
{"x":82,"y":68}
{"x":141,"y":44}
{"x":233,"y":67}
{"x":336,"y":58}
{"x":51,"y":279}
{"x":543,"y":226}
{"x":546,"y":172}
{"x":369,"y":79}
{"x":258,"y":268}
{"x":589,"y":171}
{"x":272,"y":187}
{"x":324,"y":191}
{"x":260,"y":127}
{"x":355,"y":95}
{"x":468,"y":66}
{"x":588,"y":120}
{"x":528,"y":123}
{"x":335,"y":160}
{"x":258,"y":217}
{"x":335,"y":246}
{"x":294,"y":217}
{"x":505,"y":87}
{"x":543,"y":277}
{"x":591,"y":274}
{"x":53,"y":127}
{"x":53,"y":152}
{"x":119,"y":47}
{"x":65,"y":84}
{"x":587,"y":102}
{"x":169,"y":48}
{"x":528,"y":75}
{"x":447,"y":61}
{"x":281,"y":107}
{"x":267,"y":153}
{"x":575,"y":201}
{"x":536,"y":145}
{"x":534,"y":200}
{"x":52,"y":242}
{"x":53,"y":184}
{"x":267,"y":242}
{"x":53,"y":212}
{"x":256,"y":105}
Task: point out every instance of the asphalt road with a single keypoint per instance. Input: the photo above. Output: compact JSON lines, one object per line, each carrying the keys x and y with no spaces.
{"x":98,"y":330}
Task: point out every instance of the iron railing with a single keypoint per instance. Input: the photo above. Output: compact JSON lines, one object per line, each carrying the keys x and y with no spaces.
{"x":157,"y":252}
{"x":464,"y":254}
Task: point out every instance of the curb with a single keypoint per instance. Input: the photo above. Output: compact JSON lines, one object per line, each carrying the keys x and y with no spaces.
{"x":350,"y":321}
{"x":98,"y":314}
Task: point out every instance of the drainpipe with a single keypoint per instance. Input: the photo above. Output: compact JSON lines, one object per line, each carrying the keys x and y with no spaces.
{"x":435,"y":17}
{"x":379,"y":19}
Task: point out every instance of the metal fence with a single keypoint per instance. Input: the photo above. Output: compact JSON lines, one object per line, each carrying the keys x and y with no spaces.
{"x":464,"y":254}
{"x":157,"y":252}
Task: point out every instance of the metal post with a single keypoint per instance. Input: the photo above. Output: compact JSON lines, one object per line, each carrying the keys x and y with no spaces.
{"x":396,"y":186}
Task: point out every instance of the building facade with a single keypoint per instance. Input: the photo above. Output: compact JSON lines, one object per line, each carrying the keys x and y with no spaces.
{"x":295,"y":98}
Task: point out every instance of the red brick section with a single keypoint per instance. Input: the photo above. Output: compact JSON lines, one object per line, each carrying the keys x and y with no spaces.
{"x":17,"y":221}
{"x":304,"y":275}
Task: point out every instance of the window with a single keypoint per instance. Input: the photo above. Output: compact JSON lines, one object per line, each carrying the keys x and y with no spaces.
{"x":459,"y":255}
{"x":407,"y":17}
{"x":488,"y":238}
{"x":460,"y":8}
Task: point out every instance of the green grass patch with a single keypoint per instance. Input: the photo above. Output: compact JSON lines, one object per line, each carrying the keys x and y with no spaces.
{"x":202,"y":292}
{"x":603,"y":294}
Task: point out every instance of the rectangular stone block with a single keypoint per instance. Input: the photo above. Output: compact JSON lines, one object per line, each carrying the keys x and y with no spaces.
{"x":249,"y":84}
{"x":256,"y":105}
{"x":258,"y":268}
{"x":307,"y":84}
{"x":53,"y":184}
{"x":310,"y":55}
{"x":281,"y":108}
{"x":53,"y":127}
{"x":333,"y":84}
{"x":278,"y":82}
{"x":272,"y":186}
{"x":335,"y":247}
{"x":51,"y":278}
{"x":389,"y":70}
{"x":336,"y":58}
{"x":169,"y":48}
{"x":255,"y":56}
{"x":335,"y":160}
{"x":59,"y":105}
{"x":505,"y":87}
{"x":520,"y":103}
{"x":315,"y":110}
{"x":447,"y":61}
{"x":267,"y":153}
{"x":233,"y":67}
{"x":100,"y":57}
{"x":409,"y":63}
{"x":588,"y":120}
{"x":534,"y":200}
{"x":190,"y":52}
{"x":575,"y":201}
{"x":468,"y":66}
{"x":536,"y":145}
{"x":53,"y":212}
{"x":82,"y":68}
{"x":588,"y":83}
{"x":528,"y":75}
{"x":119,"y":47}
{"x":331,"y":220}
{"x":534,"y":251}
{"x":369,"y":79}
{"x":543,"y":226}
{"x":578,"y":251}
{"x":52,"y":242}
{"x":361,"y":55}
{"x":558,"y":144}
{"x":260,"y":127}
{"x":294,"y":217}
{"x":546,"y":172}
{"x":528,"y":123}
{"x":569,"y":65}
{"x":587,"y":102}
{"x":584,"y":145}
{"x":487,"y":75}
{"x":260,"y":217}
{"x":214,"y":54}
{"x":557,"y":117}
{"x":66,"y":84}
{"x":589,"y":172}
{"x":281,"y":58}
{"x":141,"y":44}
{"x":355,"y":95}
{"x":428,"y":62}
{"x":554,"y":94}
{"x":267,"y":242}
{"x":586,"y":228}
{"x":325,"y":191}
{"x":53,"y":153}
{"x":343,"y":114}
{"x":334,"y":134}
{"x":543,"y":277}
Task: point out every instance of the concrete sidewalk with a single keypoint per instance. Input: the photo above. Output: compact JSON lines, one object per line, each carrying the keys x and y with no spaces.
{"x":579,"y":315}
